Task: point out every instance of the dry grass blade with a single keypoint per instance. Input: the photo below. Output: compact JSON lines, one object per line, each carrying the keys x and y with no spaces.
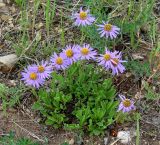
{"x":30,"y":133}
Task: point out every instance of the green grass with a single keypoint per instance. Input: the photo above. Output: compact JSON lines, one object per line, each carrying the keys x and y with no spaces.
{"x":138,"y":130}
{"x":49,"y":13}
{"x":10,"y":96}
{"x":131,"y":16}
{"x":10,"y":139}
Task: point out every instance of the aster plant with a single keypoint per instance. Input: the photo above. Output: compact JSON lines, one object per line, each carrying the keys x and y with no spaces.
{"x":126,"y":105}
{"x":112,"y":61}
{"x":83,"y":18}
{"x":60,"y":61}
{"x":108,"y":30}
{"x":32,"y":78}
{"x":43,"y":69}
{"x":71,"y":53}
{"x":105,"y":59}
{"x":83,"y":87}
{"x":117,"y":66}
{"x":80,"y":99}
{"x":86,"y":52}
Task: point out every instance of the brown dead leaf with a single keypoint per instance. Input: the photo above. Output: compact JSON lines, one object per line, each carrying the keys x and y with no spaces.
{"x":39,"y":25}
{"x":1,"y":46}
{"x":12,"y":9}
{"x":6,"y":18}
{"x":137,"y":56}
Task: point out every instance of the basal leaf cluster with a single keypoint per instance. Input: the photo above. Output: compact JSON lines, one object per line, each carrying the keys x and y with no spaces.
{"x":80,"y":98}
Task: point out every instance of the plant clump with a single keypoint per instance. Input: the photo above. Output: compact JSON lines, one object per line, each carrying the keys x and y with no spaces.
{"x":81,"y":95}
{"x":81,"y":99}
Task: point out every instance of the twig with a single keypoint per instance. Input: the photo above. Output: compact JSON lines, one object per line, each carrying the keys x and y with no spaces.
{"x":30,"y":133}
{"x":115,"y":141}
{"x":3,"y":134}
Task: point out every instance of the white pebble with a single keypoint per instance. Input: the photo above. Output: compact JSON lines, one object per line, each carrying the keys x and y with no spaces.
{"x":124,"y":137}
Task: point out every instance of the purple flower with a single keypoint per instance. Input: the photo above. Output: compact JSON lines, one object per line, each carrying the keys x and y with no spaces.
{"x":31,"y":78}
{"x":105,"y":59}
{"x":43,"y":69}
{"x":71,"y":53}
{"x":117,"y":53}
{"x":117,"y":66}
{"x":59,"y":62}
{"x":83,"y":18}
{"x":108,"y":30}
{"x":86,"y":52}
{"x":126,"y":105}
{"x":113,"y":61}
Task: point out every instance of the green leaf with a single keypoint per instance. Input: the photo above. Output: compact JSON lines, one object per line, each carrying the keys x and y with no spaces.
{"x":72,"y":126}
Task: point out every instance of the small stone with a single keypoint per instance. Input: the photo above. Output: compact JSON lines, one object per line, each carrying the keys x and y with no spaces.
{"x":124,"y":137}
{"x":7,"y":62}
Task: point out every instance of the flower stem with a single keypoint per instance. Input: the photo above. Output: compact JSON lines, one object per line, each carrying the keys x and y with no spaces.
{"x":82,"y":35}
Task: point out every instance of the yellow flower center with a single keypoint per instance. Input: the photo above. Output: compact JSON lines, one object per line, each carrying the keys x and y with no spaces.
{"x":84,"y":51}
{"x":41,"y":69}
{"x":115,"y":61}
{"x":83,"y":15}
{"x":126,"y":103}
{"x":33,"y":76}
{"x":107,"y":57}
{"x":108,"y":27}
{"x":59,"y":60}
{"x":69,"y":53}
